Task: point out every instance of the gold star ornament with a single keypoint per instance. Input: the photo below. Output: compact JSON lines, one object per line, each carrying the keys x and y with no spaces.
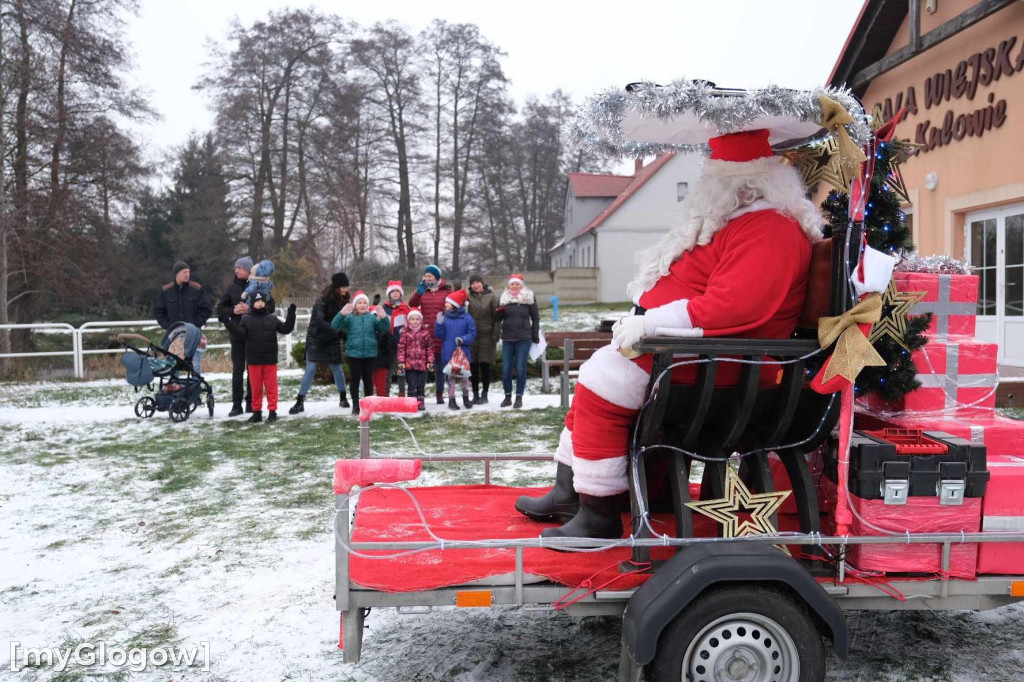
{"x":819,"y":162}
{"x":898,"y":304}
{"x":739,"y":500}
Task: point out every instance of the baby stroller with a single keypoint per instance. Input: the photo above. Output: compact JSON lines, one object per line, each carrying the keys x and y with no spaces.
{"x":181,"y":389}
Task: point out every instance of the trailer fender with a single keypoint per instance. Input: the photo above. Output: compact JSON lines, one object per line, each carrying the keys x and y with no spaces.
{"x":694,"y":569}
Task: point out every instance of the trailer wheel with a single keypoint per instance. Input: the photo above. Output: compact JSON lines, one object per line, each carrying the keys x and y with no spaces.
{"x":740,"y":634}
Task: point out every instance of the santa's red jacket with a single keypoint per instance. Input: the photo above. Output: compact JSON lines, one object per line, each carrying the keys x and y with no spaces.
{"x":749,"y":282}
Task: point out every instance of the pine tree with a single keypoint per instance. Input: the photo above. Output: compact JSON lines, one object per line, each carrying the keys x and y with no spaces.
{"x":887,"y":231}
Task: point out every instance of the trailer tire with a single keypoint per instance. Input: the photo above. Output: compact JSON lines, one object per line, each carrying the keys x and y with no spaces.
{"x":761,"y":632}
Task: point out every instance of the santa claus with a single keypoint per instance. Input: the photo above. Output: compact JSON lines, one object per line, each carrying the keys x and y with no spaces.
{"x":735,"y":265}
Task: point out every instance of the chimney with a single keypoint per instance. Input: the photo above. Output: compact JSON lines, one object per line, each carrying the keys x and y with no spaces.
{"x":638,"y":166}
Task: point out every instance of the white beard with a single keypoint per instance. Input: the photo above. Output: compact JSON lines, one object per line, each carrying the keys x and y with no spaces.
{"x":725,"y":188}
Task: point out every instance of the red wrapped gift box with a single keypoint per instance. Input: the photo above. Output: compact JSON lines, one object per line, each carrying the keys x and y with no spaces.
{"x":952,"y":299}
{"x":918,"y":515}
{"x":1001,"y":435}
{"x":1003,"y":510}
{"x":960,"y":371}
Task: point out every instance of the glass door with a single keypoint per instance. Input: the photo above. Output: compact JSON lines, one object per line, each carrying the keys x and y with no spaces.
{"x":995,"y":247}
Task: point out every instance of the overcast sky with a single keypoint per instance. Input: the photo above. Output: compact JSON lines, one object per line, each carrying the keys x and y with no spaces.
{"x":581,"y":47}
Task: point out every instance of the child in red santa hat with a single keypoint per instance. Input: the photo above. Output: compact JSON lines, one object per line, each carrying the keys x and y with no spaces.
{"x":362,"y":326}
{"x":416,"y":356}
{"x":397,"y":312}
{"x":456,"y":329}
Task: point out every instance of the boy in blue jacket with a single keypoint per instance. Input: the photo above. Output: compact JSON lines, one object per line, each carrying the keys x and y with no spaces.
{"x":455,"y":328}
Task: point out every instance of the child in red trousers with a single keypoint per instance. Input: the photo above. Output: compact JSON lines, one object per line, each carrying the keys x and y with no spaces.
{"x":258,"y":329}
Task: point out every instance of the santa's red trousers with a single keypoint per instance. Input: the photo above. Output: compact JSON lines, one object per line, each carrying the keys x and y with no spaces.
{"x":260,"y":377}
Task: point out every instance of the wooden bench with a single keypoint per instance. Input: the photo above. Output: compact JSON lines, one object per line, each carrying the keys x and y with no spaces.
{"x":577,"y":347}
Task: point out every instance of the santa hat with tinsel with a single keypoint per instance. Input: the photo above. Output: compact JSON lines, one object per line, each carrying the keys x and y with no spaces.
{"x":647,"y":119}
{"x":457,"y":298}
{"x":394,"y":285}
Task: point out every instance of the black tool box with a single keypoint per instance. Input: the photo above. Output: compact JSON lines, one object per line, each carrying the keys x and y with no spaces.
{"x":891,"y":464}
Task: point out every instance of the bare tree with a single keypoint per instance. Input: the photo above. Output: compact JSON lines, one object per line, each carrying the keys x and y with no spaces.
{"x":388,"y":55}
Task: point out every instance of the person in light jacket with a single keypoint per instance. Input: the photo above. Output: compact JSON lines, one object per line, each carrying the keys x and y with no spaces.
{"x":520,"y":327}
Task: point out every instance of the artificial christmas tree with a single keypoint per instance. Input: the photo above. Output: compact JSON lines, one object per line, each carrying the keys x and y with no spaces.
{"x":887,"y":230}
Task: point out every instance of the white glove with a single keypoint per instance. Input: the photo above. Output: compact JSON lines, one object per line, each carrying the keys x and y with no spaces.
{"x":347,"y":309}
{"x":380,"y":311}
{"x":628,"y":330}
{"x":440,"y":318}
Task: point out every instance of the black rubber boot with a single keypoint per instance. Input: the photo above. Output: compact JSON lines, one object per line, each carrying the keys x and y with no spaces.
{"x":466,"y":401}
{"x":559,"y":504}
{"x":598,"y":517}
{"x":256,"y":417}
{"x":272,"y":417}
{"x":355,"y":408}
{"x":507,"y":402}
{"x":297,"y":407}
{"x":452,"y":403}
{"x":476,"y":396}
{"x":235,"y":410}
{"x":519,"y":402}
{"x":343,"y":401}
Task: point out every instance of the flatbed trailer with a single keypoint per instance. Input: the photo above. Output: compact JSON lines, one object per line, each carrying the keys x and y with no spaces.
{"x":522,"y":590}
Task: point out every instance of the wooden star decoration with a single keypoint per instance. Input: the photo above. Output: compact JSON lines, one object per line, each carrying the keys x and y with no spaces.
{"x":819,"y":162}
{"x":738,"y":499}
{"x":899,"y":304}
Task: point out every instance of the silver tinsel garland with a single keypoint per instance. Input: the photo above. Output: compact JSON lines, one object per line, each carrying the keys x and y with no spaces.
{"x":941,"y":264}
{"x":597,"y":125}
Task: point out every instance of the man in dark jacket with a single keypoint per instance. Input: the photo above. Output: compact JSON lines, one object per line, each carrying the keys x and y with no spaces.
{"x":232,"y":305}
{"x":429,"y":298}
{"x":183,"y":301}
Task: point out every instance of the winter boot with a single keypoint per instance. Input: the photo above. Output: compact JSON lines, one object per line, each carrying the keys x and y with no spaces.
{"x":256,"y":417}
{"x":559,"y":504}
{"x":343,"y":401}
{"x":452,"y":403}
{"x":466,"y":401}
{"x":272,"y":417}
{"x":482,"y":400}
{"x":519,"y":402}
{"x":507,"y":402}
{"x":421,"y":405}
{"x":236,"y":410}
{"x":248,"y":406}
{"x":598,"y":517}
{"x":440,"y":398}
{"x":355,"y":409}
{"x":476,"y":396}
{"x":297,"y":407}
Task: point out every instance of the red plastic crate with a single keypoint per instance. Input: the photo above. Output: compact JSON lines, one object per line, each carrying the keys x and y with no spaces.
{"x":911,"y":441}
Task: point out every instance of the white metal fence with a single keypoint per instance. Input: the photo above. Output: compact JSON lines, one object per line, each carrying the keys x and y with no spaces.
{"x":77,"y":335}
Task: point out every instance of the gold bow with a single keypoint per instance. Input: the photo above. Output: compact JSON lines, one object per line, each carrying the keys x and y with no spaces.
{"x":853,"y":350}
{"x":834,"y":118}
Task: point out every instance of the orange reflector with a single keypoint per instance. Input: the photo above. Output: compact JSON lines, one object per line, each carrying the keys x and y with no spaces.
{"x":1017,"y":588}
{"x":465,"y":599}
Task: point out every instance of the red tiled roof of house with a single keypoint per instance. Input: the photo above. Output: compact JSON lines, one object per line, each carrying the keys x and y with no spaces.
{"x":595,"y":185}
{"x":635,"y":183}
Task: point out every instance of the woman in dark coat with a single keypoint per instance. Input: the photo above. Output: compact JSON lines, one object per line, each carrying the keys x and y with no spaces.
{"x":520,"y":327}
{"x":323,"y":343}
{"x":483,"y":304}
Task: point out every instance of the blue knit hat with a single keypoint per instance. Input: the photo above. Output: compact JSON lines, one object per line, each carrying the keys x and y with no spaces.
{"x":432,"y":270}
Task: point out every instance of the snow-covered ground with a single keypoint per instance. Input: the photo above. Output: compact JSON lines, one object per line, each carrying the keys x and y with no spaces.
{"x":120,"y":530}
